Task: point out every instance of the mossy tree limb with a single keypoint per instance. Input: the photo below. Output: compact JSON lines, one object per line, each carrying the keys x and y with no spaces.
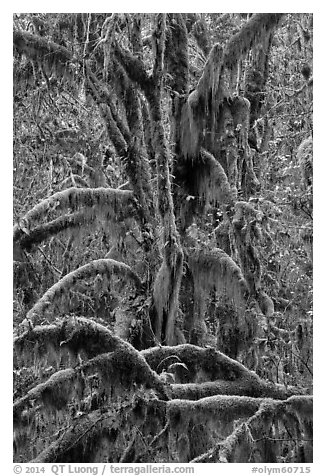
{"x":248,"y":435}
{"x":105,"y":267}
{"x":40,"y":233}
{"x":54,"y":58}
{"x":250,"y":34}
{"x":112,"y":201}
{"x":122,"y":368}
{"x":81,"y":336}
{"x":250,"y":386}
{"x":206,"y":371}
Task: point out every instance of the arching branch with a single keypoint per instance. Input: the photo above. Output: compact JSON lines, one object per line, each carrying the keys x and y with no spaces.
{"x":122,"y":368}
{"x":113,"y":202}
{"x":250,"y":34}
{"x":221,"y":374}
{"x":243,"y":439}
{"x":101,"y":266}
{"x":43,"y":232}
{"x":81,"y":335}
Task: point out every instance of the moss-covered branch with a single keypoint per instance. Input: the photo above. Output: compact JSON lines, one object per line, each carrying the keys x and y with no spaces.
{"x":134,"y":67}
{"x":55,"y":59}
{"x":80,"y":335}
{"x":213,"y":183}
{"x":294,"y":414}
{"x":208,"y":362}
{"x":215,"y":271}
{"x":216,"y":268}
{"x":250,"y":385}
{"x":250,"y":34}
{"x":176,"y":53}
{"x":83,"y":439}
{"x":66,"y":222}
{"x":201,"y":109}
{"x":105,"y":267}
{"x":112,"y":202}
{"x":201,"y":34}
{"x":69,"y":446}
{"x":122,"y":368}
{"x":116,"y":126}
{"x":218,"y":374}
{"x":55,"y":392}
{"x":221,"y":408}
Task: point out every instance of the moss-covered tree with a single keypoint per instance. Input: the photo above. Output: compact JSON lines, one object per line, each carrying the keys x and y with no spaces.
{"x":143,"y":311}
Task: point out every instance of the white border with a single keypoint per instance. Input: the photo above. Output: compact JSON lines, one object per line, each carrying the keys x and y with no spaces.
{"x":318,"y":8}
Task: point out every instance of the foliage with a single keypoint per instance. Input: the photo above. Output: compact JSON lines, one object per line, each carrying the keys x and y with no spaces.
{"x":163,"y":237}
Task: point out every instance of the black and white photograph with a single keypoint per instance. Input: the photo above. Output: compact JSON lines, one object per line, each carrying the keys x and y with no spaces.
{"x":162,"y":241}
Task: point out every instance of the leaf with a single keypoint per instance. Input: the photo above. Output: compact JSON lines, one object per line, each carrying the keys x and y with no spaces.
{"x":169,"y":357}
{"x":176,"y":365}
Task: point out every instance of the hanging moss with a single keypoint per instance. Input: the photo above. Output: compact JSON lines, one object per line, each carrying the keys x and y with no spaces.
{"x":259,"y":434}
{"x":305,"y":160}
{"x":302,"y":405}
{"x":221,"y":234}
{"x":201,"y":105}
{"x":201,"y":34}
{"x":246,"y":231}
{"x":240,"y":109}
{"x":202,"y":113}
{"x":250,"y":34}
{"x":213,"y":184}
{"x":76,"y":443}
{"x":215,"y":269}
{"x":199,"y":185}
{"x":55,"y":393}
{"x":215,"y":413}
{"x":190,"y":128}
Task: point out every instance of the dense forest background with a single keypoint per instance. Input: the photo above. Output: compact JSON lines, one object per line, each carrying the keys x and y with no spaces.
{"x":162,"y":237}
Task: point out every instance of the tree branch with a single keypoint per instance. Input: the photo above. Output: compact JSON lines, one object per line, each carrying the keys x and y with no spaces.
{"x":53,"y":57}
{"x":43,"y":232}
{"x":134,"y":67}
{"x":114,"y":202}
{"x":100,"y":266}
{"x":229,"y":450}
{"x":250,"y":34}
